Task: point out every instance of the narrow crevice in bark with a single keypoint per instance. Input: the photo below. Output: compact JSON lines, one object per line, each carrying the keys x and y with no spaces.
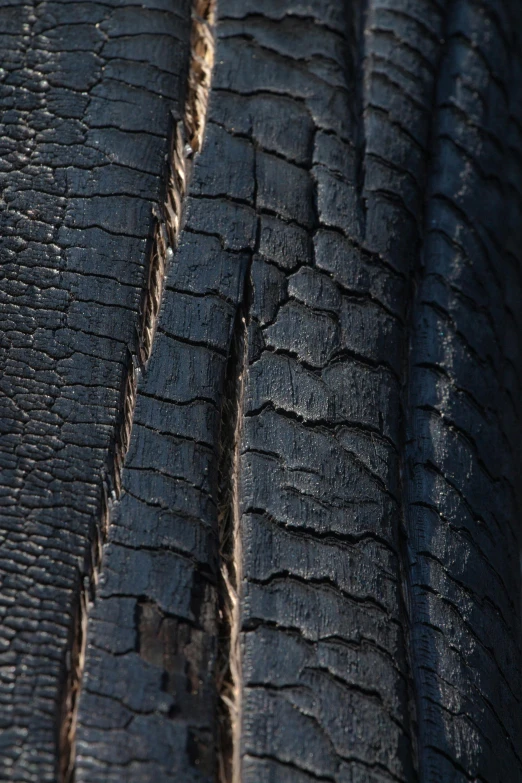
{"x":228,"y":671}
{"x":406,"y":558}
{"x":87,"y":583}
{"x":185,"y":139}
{"x":406,"y":609}
{"x":359,"y":12}
{"x":228,"y":660}
{"x":123,"y":433}
{"x":71,"y":690}
{"x":200,"y":74}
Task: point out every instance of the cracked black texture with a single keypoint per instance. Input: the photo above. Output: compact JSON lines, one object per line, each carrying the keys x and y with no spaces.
{"x":86,"y":94}
{"x":384,"y":366}
{"x":361,"y":177}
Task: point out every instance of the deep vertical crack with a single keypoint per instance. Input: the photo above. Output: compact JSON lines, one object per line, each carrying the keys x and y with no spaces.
{"x":69,"y":707}
{"x":229,"y":675}
{"x":358,"y":14}
{"x":202,"y":47}
{"x":184,"y":140}
{"x":407,"y":558}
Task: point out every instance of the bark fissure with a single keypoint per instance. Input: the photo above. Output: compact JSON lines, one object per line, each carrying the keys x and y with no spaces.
{"x":229,"y":666}
{"x":406,"y":558}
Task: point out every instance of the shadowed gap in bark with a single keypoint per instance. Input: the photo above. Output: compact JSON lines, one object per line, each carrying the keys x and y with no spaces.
{"x":229,"y":519}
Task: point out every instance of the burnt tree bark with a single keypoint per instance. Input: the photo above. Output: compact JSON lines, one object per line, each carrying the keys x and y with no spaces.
{"x":261,"y":508}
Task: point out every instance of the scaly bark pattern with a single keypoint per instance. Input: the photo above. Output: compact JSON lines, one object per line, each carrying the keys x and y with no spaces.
{"x":155,"y":617}
{"x":356,"y":206}
{"x":86,"y":93}
{"x":372,"y":233}
{"x":463,"y":452}
{"x":338,"y":198}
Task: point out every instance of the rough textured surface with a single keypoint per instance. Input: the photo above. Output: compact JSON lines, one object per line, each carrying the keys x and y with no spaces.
{"x":325,"y":656}
{"x":358,"y":201}
{"x":155,"y":617}
{"x":325,"y":561}
{"x":463,"y":452}
{"x":408,"y":212}
{"x":86,"y":91}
